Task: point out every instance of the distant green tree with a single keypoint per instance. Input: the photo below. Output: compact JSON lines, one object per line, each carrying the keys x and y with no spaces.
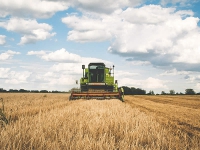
{"x":133,"y":91}
{"x":163,"y":93}
{"x":140,"y":91}
{"x":43,"y":91}
{"x":34,"y":91}
{"x":13,"y":91}
{"x":151,"y":92}
{"x":137,"y":91}
{"x":127,"y":90}
{"x":189,"y":92}
{"x":23,"y":91}
{"x":56,"y":91}
{"x":171,"y":92}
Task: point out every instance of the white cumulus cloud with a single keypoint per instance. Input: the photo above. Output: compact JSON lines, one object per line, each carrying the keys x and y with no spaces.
{"x":31,"y":8}
{"x":63,"y":56}
{"x":149,"y":83}
{"x":14,"y":77}
{"x":174,"y":72}
{"x":17,"y":77}
{"x":153,"y":30}
{"x":153,"y":83}
{"x":47,"y":8}
{"x":4,"y":72}
{"x":2,"y":39}
{"x":105,"y":7}
{"x":181,"y":2}
{"x":38,"y":53}
{"x":8,"y":54}
{"x":86,"y":29}
{"x":197,"y":87}
{"x":31,"y":30}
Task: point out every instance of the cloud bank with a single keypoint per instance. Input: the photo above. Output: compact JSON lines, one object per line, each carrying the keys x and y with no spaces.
{"x":151,"y":33}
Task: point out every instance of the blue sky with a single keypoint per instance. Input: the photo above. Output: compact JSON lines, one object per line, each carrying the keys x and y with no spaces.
{"x":154,"y":45}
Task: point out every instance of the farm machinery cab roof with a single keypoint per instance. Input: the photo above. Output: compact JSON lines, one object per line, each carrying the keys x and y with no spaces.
{"x":97,"y":83}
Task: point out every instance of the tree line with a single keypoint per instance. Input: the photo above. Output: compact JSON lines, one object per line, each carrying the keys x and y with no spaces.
{"x":127,"y":91}
{"x":29,"y":91}
{"x":133,"y":91}
{"x":138,"y":91}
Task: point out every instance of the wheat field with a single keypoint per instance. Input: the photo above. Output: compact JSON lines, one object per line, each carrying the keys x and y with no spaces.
{"x":50,"y":121}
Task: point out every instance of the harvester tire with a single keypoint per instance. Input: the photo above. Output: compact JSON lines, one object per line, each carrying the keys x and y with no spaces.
{"x":122,"y":99}
{"x":70,"y":98}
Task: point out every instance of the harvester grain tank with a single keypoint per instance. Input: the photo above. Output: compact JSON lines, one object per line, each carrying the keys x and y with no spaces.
{"x":97,"y":83}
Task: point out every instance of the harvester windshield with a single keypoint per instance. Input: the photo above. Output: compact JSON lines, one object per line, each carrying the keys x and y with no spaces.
{"x":96,"y":72}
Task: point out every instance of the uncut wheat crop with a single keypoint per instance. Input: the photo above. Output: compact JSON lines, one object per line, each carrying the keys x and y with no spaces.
{"x":50,"y":121}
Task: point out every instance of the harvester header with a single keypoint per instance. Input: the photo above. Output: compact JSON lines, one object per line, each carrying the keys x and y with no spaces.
{"x":97,"y":82}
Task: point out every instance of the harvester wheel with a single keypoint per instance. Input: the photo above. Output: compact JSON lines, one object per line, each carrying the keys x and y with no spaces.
{"x":122,"y":99}
{"x":70,"y":98}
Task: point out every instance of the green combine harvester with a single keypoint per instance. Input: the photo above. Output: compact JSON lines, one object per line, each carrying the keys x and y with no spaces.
{"x":97,"y":83}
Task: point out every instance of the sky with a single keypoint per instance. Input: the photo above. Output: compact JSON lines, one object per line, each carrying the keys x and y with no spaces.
{"x":154,"y":45}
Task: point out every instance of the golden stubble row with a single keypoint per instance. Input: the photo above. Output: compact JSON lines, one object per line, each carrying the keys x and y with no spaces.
{"x":177,"y":111}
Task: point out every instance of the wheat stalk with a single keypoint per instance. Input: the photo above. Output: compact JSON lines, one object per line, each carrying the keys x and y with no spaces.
{"x":3,"y":118}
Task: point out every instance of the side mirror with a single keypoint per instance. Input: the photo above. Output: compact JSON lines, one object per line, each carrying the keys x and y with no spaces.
{"x":83,"y":66}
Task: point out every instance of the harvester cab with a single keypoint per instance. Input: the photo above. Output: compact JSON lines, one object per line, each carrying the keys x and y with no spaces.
{"x":97,"y":83}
